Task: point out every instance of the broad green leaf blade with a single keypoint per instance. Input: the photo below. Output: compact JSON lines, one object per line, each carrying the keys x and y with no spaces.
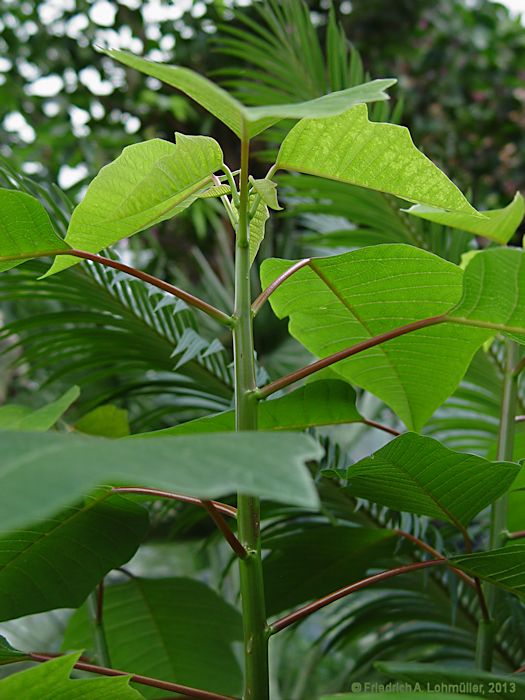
{"x":51,"y":680}
{"x":498,"y":225}
{"x":210,"y":96}
{"x":26,"y":230}
{"x":14,"y":417}
{"x":58,"y":562}
{"x":186,"y":633}
{"x":106,"y":421}
{"x":419,"y":475}
{"x":326,"y":402}
{"x":251,"y":120}
{"x":325,"y":106}
{"x":494,"y":292}
{"x":149,"y":182}
{"x":339,"y":301}
{"x":9,"y":654}
{"x":498,"y":686}
{"x":41,"y":473}
{"x":350,"y":148}
{"x":267,"y":190}
{"x":258,"y":229}
{"x":308,"y":564}
{"x":504,"y":567}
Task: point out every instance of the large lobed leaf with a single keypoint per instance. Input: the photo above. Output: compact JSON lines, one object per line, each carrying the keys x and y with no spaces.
{"x":148,"y":183}
{"x":57,"y":562}
{"x":43,"y":473}
{"x":324,"y":402}
{"x":51,"y":680}
{"x":250,"y":121}
{"x":185,"y":634}
{"x":350,"y":148}
{"x":417,"y":474}
{"x":337,"y":302}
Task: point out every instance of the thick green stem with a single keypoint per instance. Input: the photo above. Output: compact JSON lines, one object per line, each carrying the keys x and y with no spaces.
{"x":95,"y":608}
{"x":498,"y":531}
{"x":252,"y":588}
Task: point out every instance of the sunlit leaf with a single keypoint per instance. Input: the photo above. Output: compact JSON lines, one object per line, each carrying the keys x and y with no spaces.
{"x":350,"y":148}
{"x":148,"y":183}
{"x":52,"y":680}
{"x":26,"y":230}
{"x":498,"y":225}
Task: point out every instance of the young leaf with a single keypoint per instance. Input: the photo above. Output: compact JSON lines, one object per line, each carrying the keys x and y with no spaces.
{"x":319,"y":559}
{"x":505,"y":686}
{"x":14,"y":417}
{"x":417,"y":474}
{"x":58,"y":562}
{"x":326,"y":402}
{"x":350,"y":148}
{"x":250,"y":121}
{"x":51,"y":680}
{"x":497,"y":225}
{"x":258,"y":228}
{"x":25,"y":230}
{"x":339,"y":301}
{"x":148,"y":183}
{"x":504,"y":567}
{"x":45,"y":472}
{"x":267,"y":190}
{"x":186,"y":633}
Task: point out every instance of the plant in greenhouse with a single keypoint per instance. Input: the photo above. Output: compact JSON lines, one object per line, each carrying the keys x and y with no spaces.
{"x":392,"y":319}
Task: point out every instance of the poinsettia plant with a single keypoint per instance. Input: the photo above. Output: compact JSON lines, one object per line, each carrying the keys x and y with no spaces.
{"x":391,"y":319}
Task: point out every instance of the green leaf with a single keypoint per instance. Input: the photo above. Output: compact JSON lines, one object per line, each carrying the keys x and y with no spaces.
{"x":250,"y":120}
{"x":148,"y":183}
{"x":417,"y":474}
{"x":316,"y":560}
{"x":339,"y":301}
{"x":325,"y":402}
{"x":267,"y":190}
{"x":45,"y":472}
{"x":106,"y":421}
{"x":51,"y":680}
{"x":9,"y":654}
{"x":185,"y":635}
{"x":14,"y":417}
{"x":57,"y":562}
{"x":257,"y":228}
{"x":498,"y":686}
{"x":498,"y":225}
{"x":217,"y":191}
{"x":504,"y":567}
{"x":350,"y":148}
{"x":494,"y":292}
{"x":26,"y":230}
